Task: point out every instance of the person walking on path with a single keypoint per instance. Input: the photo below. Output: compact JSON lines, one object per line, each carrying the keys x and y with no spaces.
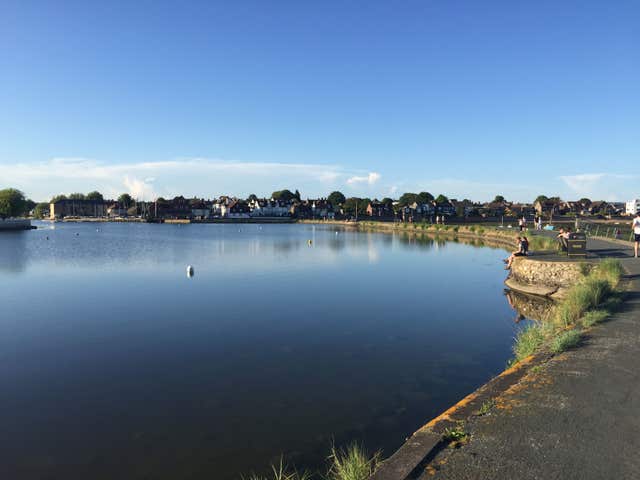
{"x":636,"y":233}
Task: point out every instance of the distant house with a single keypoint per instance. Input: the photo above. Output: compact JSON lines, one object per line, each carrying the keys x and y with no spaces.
{"x":116,"y":210}
{"x":262,"y":207}
{"x":521,"y":210}
{"x":602,"y":208}
{"x":423,"y":209}
{"x":177,"y":208}
{"x":77,"y":208}
{"x":301,"y":209}
{"x":493,"y":209}
{"x":235,"y":209}
{"x":322,"y":208}
{"x":632,"y":207}
{"x":465,"y":208}
{"x":446,"y":208}
{"x":547,"y":207}
{"x":379,"y":209}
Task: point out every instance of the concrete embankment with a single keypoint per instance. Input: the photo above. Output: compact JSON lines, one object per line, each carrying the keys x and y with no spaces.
{"x":12,"y":224}
{"x":574,"y":416}
{"x":503,"y":238}
{"x":549,"y":278}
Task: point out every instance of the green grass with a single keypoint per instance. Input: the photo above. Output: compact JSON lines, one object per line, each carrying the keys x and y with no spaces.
{"x":586,"y":295}
{"x":352,"y":463}
{"x":281,"y":472}
{"x":454,"y":434}
{"x":486,"y":407}
{"x":528,"y":341}
{"x":565,"y":341}
{"x":610,"y":270}
{"x":588,"y":302}
{"x":594,"y":316}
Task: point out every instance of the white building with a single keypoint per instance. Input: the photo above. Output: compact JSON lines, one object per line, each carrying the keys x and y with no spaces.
{"x":633,"y":206}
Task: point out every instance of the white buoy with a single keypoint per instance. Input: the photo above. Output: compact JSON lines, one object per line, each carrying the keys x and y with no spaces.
{"x":189,"y":271}
{"x":310,"y":242}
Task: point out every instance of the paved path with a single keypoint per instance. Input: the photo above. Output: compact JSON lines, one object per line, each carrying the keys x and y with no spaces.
{"x":578,"y":417}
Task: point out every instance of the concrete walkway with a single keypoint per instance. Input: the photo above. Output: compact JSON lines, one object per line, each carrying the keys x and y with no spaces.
{"x":576,"y":417}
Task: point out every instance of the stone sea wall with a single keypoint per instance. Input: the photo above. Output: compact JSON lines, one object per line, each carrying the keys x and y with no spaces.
{"x":15,"y":224}
{"x":545,"y":278}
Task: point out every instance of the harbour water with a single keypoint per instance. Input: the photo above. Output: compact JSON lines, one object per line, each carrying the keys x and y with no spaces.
{"x":286,"y":338}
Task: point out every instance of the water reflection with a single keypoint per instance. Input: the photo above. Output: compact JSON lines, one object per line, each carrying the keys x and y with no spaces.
{"x":13,"y":255}
{"x":121,"y":364}
{"x":529,"y":306}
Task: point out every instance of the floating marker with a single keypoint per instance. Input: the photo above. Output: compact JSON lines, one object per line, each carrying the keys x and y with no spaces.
{"x":189,"y":271}
{"x":309,"y":242}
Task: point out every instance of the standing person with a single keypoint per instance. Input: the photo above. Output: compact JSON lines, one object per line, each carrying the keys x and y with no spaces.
{"x":636,"y":233}
{"x":521,"y":225}
{"x":539,"y":222}
{"x":524,"y":223}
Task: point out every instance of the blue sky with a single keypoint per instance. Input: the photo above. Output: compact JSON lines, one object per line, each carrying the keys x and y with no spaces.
{"x":466,"y":98}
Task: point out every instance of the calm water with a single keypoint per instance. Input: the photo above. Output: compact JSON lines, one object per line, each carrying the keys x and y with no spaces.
{"x":115,"y":364}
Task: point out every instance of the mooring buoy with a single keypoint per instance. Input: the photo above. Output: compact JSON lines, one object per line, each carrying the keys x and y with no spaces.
{"x":190,"y":271}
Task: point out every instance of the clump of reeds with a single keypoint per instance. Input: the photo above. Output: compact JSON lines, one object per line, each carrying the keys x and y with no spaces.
{"x":352,"y":463}
{"x":349,"y":463}
{"x":565,"y":341}
{"x":528,"y":341}
{"x":281,"y":471}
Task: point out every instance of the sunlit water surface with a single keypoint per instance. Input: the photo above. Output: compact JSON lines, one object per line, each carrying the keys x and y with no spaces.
{"x":116,"y":364}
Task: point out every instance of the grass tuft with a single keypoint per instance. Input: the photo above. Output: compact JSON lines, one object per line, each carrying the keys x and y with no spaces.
{"x":352,"y":463}
{"x":281,"y":472}
{"x":593,"y":317}
{"x":528,"y":341}
{"x":565,"y":341}
{"x":610,"y":270}
{"x":486,"y":407}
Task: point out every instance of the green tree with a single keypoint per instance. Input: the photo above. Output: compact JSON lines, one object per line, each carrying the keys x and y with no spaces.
{"x":424,"y":197}
{"x":363,"y":204}
{"x":541,"y":199}
{"x":12,"y":203}
{"x":284,"y":195}
{"x":350,"y":204}
{"x":57,"y":198}
{"x":336,"y":198}
{"x":585,"y":201}
{"x":441,"y":199}
{"x":252,"y":197}
{"x":126,"y":201}
{"x":40,"y":209}
{"x":77,"y":196}
{"x":387,"y":202}
{"x":297,"y":195}
{"x":97,"y":196}
{"x":499,"y":199}
{"x":407,"y":199}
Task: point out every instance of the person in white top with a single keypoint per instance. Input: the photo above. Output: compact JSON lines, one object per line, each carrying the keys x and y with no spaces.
{"x":636,"y":233}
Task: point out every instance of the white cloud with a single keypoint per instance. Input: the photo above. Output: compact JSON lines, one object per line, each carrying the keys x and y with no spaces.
{"x":605,"y":186}
{"x":187,"y":176}
{"x":369,"y":179}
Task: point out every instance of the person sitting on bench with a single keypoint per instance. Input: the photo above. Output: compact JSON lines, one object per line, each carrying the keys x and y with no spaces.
{"x":563,"y":239}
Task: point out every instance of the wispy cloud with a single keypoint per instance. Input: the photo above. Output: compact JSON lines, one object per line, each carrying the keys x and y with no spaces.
{"x":606,"y":186}
{"x":188,"y":176}
{"x":369,"y":179}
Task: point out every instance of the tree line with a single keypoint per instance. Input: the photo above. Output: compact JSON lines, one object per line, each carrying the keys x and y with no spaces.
{"x":13,"y":202}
